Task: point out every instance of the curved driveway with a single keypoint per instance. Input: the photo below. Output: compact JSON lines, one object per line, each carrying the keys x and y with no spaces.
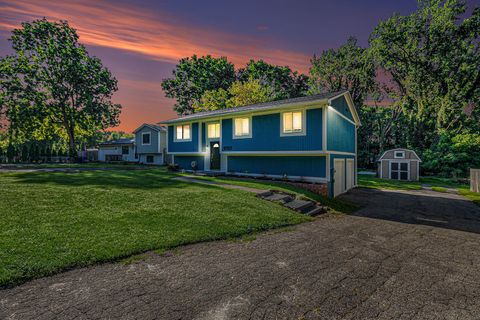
{"x":396,"y":258}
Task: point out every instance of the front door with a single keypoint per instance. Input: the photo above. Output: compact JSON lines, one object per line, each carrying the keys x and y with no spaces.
{"x":214,"y":155}
{"x":399,"y":170}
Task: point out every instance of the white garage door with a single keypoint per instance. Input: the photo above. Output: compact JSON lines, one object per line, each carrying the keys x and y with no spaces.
{"x":350,"y":173}
{"x":339,"y":184}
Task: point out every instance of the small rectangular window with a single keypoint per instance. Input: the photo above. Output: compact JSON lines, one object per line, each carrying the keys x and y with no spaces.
{"x":399,"y":154}
{"x":146,"y":138}
{"x":149,"y":159}
{"x":242,"y":127}
{"x":213,"y":130}
{"x":125,"y":150}
{"x":183,"y":132}
{"x":293,"y":122}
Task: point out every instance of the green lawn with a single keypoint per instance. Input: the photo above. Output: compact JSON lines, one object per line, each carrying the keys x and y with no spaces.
{"x":340,"y":206}
{"x":437,"y":184}
{"x":54,"y":221}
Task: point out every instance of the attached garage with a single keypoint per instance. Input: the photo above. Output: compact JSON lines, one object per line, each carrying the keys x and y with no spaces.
{"x":343,"y":175}
{"x":399,"y":164}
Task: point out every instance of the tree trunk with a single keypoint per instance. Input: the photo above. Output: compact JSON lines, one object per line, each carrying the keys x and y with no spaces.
{"x":72,"y":152}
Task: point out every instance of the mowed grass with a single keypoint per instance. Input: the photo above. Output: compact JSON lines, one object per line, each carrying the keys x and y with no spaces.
{"x":340,"y":206}
{"x":51,"y":222}
{"x":437,"y":184}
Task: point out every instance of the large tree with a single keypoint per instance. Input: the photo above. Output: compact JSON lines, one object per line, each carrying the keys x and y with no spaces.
{"x":284,"y":82}
{"x":239,"y":94}
{"x":52,"y":86}
{"x":433,"y":56}
{"x":192,"y":77}
{"x":350,"y":67}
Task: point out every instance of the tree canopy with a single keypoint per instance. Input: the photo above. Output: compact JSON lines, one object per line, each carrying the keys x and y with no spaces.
{"x":51,"y":85}
{"x":192,"y":77}
{"x":350,"y":67}
{"x":208,"y":83}
{"x":284,"y":82}
{"x":433,"y":56}
{"x":239,"y":94}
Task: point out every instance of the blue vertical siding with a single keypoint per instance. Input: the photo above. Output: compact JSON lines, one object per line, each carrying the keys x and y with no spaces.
{"x":184,"y":162}
{"x":340,"y":104}
{"x":304,"y":166}
{"x":340,"y":133}
{"x":185,"y":146}
{"x":204,"y":137}
{"x":266,"y":134}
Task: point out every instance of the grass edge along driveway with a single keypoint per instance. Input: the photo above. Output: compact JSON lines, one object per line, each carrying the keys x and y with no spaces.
{"x":51,"y":222}
{"x":437,"y":184}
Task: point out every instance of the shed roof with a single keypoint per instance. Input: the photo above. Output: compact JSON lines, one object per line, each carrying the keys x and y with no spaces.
{"x":400,"y":149}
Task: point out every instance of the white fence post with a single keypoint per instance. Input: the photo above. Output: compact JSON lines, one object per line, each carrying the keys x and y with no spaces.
{"x":475,"y":180}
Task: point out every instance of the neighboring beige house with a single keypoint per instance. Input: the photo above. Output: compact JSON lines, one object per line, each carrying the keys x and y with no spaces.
{"x":399,"y":164}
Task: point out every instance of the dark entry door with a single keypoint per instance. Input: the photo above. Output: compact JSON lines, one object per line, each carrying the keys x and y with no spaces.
{"x":214,"y":156}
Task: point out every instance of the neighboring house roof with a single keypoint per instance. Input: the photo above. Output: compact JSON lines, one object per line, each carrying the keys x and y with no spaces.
{"x":400,"y":149}
{"x":117,"y":142}
{"x":151,"y":126}
{"x":318,"y":98}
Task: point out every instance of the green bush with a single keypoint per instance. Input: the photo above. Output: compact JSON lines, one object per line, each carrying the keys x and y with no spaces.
{"x":453,"y":156}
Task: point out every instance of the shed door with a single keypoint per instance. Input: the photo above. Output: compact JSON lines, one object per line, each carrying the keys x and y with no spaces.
{"x":399,"y":170}
{"x":339,"y":177}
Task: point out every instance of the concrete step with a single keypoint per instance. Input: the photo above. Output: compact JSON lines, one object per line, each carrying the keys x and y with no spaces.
{"x":299,"y":205}
{"x":316,"y":210}
{"x":264,"y":194}
{"x":279,"y":197}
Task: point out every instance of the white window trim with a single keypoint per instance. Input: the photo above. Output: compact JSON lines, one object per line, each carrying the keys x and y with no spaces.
{"x":175,"y":132}
{"x":150,"y":139}
{"x":401,"y":157}
{"x":304,"y":124}
{"x":207,"y":138}
{"x":249,"y":135}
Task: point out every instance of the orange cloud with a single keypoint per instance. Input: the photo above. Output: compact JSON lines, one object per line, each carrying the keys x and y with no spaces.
{"x":157,"y":37}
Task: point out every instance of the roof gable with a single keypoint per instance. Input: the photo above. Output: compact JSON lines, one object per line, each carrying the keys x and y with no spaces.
{"x":151,"y":126}
{"x":351,"y":106}
{"x":399,"y":149}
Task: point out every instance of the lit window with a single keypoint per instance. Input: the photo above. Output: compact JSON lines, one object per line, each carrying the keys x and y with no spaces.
{"x":213,"y":130}
{"x":242,"y":127}
{"x":292,"y":122}
{"x":183,"y":132}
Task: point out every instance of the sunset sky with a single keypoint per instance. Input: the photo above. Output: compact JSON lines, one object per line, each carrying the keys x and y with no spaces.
{"x":141,"y":41}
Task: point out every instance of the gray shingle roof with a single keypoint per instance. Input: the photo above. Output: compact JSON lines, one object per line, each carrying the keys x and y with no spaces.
{"x":256,"y":107}
{"x":118,"y":141}
{"x":152,"y":126}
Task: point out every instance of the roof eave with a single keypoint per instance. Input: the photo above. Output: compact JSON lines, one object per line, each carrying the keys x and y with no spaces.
{"x":260,"y":110}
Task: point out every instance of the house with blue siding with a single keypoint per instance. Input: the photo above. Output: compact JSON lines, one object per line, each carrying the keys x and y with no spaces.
{"x":150,"y":144}
{"x":309,"y":139}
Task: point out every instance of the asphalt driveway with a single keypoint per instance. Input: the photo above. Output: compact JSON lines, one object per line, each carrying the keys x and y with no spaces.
{"x":381,"y":263}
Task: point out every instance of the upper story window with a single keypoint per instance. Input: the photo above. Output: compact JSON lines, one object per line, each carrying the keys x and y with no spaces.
{"x":183,"y":133}
{"x":293,"y":122}
{"x":242,"y":128}
{"x":125,"y":150}
{"x":146,"y":138}
{"x":399,"y":154}
{"x":213,"y":130}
